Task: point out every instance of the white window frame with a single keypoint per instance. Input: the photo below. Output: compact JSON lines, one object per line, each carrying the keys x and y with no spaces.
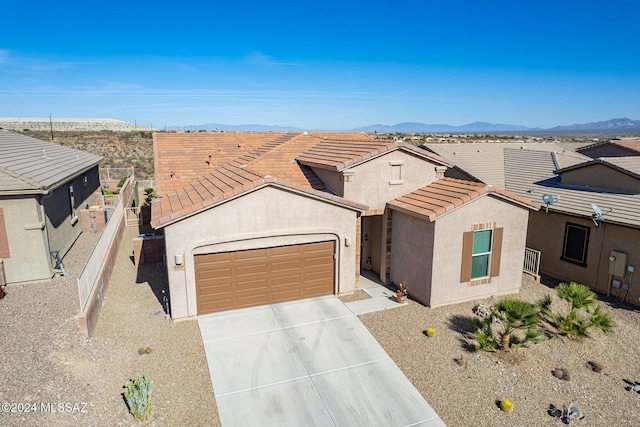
{"x":473,"y":255}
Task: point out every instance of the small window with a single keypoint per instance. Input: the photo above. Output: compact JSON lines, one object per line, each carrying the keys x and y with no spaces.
{"x":481,"y":254}
{"x":576,"y":243}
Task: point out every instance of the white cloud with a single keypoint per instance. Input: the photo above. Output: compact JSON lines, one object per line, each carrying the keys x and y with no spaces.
{"x":259,"y":58}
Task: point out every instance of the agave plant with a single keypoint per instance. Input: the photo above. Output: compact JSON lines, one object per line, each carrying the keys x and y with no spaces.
{"x":584,"y":313}
{"x":510,"y":315}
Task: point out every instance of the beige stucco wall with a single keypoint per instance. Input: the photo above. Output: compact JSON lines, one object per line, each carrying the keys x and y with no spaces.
{"x":429,"y":255}
{"x":371,"y":184}
{"x":600,"y":176}
{"x":331,"y":180}
{"x":269,"y":216}
{"x":546,"y":234}
{"x":411,"y":254}
{"x":29,"y":253}
{"x":513,"y":219}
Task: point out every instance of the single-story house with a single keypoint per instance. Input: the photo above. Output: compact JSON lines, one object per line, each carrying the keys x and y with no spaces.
{"x":588,"y":227}
{"x":303,"y":214}
{"x":43,"y":186}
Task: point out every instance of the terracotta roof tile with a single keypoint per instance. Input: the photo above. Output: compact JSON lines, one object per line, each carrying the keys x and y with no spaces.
{"x":447,"y":194}
{"x":338,"y":155}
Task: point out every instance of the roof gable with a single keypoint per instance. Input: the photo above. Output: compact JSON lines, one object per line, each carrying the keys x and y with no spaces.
{"x":531,"y":174}
{"x":32,"y":166}
{"x":627,"y":165}
{"x":339,"y":155}
{"x":631,"y":145}
{"x":447,"y":194}
{"x":224,"y":184}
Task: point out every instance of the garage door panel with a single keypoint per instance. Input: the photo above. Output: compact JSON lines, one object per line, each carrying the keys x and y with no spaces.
{"x":216,"y":305}
{"x":291,"y":279}
{"x":249,"y":256}
{"x":288,"y":295}
{"x":213,"y":289}
{"x":263,"y":276}
{"x":252,"y":285}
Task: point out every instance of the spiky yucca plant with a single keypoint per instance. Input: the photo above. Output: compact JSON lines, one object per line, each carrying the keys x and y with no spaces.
{"x":511,"y":315}
{"x":584,"y":313}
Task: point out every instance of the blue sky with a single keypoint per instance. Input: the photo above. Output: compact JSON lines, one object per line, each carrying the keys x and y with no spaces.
{"x":325,"y":64}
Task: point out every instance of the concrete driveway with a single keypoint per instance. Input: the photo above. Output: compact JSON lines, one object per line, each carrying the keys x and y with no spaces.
{"x":306,"y":363}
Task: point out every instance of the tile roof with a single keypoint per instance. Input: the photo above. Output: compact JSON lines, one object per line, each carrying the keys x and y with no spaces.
{"x":222,"y":184}
{"x":631,"y":144}
{"x":447,"y":194}
{"x":32,"y":166}
{"x":274,"y":162}
{"x":531,"y":174}
{"x":338,"y":155}
{"x":182,"y":157}
{"x":486,"y":162}
{"x":628,"y":165}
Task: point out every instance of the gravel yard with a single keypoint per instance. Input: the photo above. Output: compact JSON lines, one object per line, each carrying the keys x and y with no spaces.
{"x":467,"y":394}
{"x":44,"y":361}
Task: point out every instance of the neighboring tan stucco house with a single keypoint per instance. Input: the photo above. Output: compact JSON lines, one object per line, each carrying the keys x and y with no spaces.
{"x":575,"y":245}
{"x":302,"y":215}
{"x":43,"y":186}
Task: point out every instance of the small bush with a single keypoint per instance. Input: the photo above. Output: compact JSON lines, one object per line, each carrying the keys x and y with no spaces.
{"x":122,"y":181}
{"x":138,"y":393}
{"x":584,"y":313}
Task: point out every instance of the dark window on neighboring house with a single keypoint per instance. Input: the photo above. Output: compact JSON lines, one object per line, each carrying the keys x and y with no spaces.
{"x":4,"y":239}
{"x":576,"y":243}
{"x":481,"y":252}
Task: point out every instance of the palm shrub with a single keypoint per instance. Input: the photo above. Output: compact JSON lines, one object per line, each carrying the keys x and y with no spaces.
{"x":496,"y":330}
{"x":584,"y":313}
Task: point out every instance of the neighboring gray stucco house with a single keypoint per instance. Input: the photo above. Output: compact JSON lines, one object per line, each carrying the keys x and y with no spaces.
{"x":43,"y":186}
{"x":302,"y":215}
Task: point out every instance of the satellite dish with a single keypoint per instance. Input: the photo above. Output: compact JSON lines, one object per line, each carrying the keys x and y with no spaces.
{"x":549,"y":200}
{"x":597,"y":214}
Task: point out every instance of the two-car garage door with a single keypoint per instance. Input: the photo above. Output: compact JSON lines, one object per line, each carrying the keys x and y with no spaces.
{"x":248,"y":278}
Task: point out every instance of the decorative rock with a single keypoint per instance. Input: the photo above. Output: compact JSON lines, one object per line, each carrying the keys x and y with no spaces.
{"x":506,"y":405}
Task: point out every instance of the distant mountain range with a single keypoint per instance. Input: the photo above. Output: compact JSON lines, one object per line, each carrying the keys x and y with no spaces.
{"x":613,"y":125}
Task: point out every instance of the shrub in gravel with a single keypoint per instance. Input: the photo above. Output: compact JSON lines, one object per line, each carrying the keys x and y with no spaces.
{"x":584,"y":313}
{"x":137,"y":393}
{"x":497,"y":330}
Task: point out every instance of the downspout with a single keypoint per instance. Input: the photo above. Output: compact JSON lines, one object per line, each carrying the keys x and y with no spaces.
{"x":604,"y":227}
{"x":45,"y":229}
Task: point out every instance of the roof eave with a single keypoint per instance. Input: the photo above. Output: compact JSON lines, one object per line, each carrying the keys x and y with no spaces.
{"x":315,"y":194}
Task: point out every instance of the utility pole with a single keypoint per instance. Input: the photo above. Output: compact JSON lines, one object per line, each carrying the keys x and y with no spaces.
{"x":51,"y":126}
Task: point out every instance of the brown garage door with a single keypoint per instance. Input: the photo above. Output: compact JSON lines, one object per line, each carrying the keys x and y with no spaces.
{"x":229,"y":280}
